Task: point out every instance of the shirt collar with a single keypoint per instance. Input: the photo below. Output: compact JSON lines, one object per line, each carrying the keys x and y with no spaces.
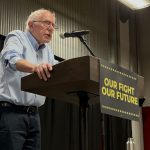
{"x":34,"y":42}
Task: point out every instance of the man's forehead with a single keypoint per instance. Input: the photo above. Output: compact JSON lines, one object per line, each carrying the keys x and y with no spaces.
{"x":47,"y":15}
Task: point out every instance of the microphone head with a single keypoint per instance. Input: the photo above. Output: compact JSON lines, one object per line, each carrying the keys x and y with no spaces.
{"x":81,"y":32}
{"x":62,"y":35}
{"x":74,"y":34}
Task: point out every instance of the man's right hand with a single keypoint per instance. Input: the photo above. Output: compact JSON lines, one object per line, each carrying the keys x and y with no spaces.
{"x":43,"y":71}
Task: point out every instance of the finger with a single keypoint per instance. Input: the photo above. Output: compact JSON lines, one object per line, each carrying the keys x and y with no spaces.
{"x":49,"y":66}
{"x":42,"y":72}
{"x":39,"y":75}
{"x":46,"y":70}
{"x":37,"y":70}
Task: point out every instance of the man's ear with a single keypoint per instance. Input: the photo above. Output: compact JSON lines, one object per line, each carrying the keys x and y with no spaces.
{"x":30,"y":24}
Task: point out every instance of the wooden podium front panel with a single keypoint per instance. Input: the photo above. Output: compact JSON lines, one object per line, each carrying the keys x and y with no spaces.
{"x":68,"y":77}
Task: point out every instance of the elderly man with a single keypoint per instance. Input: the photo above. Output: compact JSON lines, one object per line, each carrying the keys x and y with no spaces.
{"x":24,"y":53}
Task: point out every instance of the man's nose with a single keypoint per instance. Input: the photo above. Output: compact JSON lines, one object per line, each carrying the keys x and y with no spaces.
{"x":50,"y":27}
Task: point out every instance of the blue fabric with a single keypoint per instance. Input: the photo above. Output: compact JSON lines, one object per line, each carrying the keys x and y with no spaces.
{"x":20,"y":45}
{"x":19,"y":130}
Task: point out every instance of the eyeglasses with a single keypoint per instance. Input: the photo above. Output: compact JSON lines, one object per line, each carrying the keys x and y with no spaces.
{"x":48,"y":24}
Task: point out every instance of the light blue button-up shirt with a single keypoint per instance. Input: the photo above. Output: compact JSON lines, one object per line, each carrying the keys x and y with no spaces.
{"x":20,"y":45}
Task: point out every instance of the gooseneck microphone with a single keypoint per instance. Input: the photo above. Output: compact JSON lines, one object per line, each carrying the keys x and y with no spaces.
{"x":78,"y":34}
{"x":74,"y":34}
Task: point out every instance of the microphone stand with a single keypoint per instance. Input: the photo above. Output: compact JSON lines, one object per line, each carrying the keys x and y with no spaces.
{"x":83,"y":111}
{"x":83,"y":41}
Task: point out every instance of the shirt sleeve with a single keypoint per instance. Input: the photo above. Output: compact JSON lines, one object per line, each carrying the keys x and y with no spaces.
{"x":12,"y":52}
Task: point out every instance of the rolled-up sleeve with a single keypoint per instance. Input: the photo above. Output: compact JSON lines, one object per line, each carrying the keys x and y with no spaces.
{"x":12,"y":52}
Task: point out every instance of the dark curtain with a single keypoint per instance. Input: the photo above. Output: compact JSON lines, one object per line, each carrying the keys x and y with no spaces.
{"x":117,"y":131}
{"x":60,"y":126}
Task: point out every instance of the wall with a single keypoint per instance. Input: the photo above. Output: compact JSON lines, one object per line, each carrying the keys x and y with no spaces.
{"x":143,"y":44}
{"x":70,"y":16}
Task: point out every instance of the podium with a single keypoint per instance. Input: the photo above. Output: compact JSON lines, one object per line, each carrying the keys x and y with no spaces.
{"x":67,"y":78}
{"x":75,"y":81}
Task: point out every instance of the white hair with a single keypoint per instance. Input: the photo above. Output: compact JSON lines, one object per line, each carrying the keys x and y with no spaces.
{"x":35,"y":15}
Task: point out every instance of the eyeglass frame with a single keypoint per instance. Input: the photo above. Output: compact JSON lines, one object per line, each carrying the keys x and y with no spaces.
{"x":47,"y":23}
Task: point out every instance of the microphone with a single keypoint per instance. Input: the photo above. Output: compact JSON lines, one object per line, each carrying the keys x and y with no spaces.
{"x":74,"y":34}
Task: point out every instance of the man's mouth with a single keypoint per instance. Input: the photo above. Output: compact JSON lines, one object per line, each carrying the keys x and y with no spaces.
{"x":48,"y":35}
